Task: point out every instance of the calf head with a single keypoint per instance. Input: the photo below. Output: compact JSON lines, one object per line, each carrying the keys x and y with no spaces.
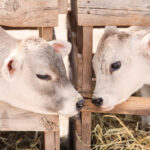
{"x":121,"y":65}
{"x":33,"y":76}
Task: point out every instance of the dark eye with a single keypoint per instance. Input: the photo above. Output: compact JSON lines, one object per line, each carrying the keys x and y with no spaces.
{"x":44,"y":77}
{"x":115,"y":66}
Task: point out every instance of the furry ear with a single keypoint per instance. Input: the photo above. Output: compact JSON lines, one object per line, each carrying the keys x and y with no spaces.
{"x":145,"y":44}
{"x":10,"y":68}
{"x":61,"y":47}
{"x":111,"y":29}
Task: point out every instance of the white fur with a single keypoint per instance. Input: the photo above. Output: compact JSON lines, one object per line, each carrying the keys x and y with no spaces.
{"x":62,"y":51}
{"x":133,"y":53}
{"x":23,"y":89}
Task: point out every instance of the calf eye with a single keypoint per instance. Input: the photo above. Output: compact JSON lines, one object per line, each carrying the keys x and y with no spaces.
{"x":115,"y":66}
{"x":44,"y":77}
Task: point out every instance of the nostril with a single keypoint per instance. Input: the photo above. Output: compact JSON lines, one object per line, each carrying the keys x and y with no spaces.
{"x":80,"y":104}
{"x":97,"y":101}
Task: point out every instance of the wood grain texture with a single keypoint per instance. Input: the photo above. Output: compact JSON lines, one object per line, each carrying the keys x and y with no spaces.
{"x":78,"y":134}
{"x":63,"y":6}
{"x":46,"y":33}
{"x":112,"y":12}
{"x":29,"y":13}
{"x":57,"y":140}
{"x":15,"y":119}
{"x":86,"y":130}
{"x":73,"y":58}
{"x":79,"y":72}
{"x":134,"y":106}
{"x":49,"y":140}
{"x":75,"y":61}
{"x":87,"y":59}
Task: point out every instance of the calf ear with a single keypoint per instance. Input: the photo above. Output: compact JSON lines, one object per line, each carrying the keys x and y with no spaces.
{"x":61,"y":47}
{"x":10,"y":68}
{"x":145,"y":45}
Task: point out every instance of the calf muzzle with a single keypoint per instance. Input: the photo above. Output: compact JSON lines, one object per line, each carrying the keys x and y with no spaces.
{"x":80,"y":104}
{"x":97,"y":101}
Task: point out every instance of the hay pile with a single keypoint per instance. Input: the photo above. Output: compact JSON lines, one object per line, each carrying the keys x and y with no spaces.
{"x":21,"y":141}
{"x":121,"y":132}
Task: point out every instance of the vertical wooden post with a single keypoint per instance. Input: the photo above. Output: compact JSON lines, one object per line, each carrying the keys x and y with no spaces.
{"x":49,"y":140}
{"x":57,"y":140}
{"x":87,"y":59}
{"x":86,"y":130}
{"x":78,"y":134}
{"x":84,"y":44}
{"x":87,"y":83}
{"x":52,"y":140}
{"x":46,"y":33}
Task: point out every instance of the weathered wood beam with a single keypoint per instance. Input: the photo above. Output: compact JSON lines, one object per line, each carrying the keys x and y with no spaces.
{"x":15,"y":119}
{"x":134,"y":106}
{"x":112,"y":12}
{"x":29,"y":13}
{"x":63,"y":6}
{"x":87,"y":59}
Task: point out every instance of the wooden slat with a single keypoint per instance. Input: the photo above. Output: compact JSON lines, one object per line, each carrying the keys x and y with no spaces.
{"x":29,"y":13}
{"x":78,"y":134}
{"x":46,"y":33}
{"x":49,"y":140}
{"x":15,"y":119}
{"x":57,"y":140}
{"x":79,"y":72}
{"x":73,"y":58}
{"x":112,"y":12}
{"x":86,"y":130}
{"x":63,"y":6}
{"x":74,"y":12}
{"x":87,"y":59}
{"x":76,"y":63}
{"x":134,"y":106}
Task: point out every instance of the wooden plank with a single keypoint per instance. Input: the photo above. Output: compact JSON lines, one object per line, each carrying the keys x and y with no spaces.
{"x":87,"y":59}
{"x":86,"y":130}
{"x":29,"y":13}
{"x":79,"y":32}
{"x":49,"y":140}
{"x":78,"y":134}
{"x":76,"y":63}
{"x":113,"y":12}
{"x":63,"y":6}
{"x":46,"y":33}
{"x":71,"y":24}
{"x":74,"y":9}
{"x":40,"y":31}
{"x":57,"y":141}
{"x":15,"y":119}
{"x":134,"y":106}
{"x":79,"y":72}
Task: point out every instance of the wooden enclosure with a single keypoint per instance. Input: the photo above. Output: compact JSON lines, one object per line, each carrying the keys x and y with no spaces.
{"x":32,"y":13}
{"x":84,"y":16}
{"x":108,"y":12}
{"x":15,"y":119}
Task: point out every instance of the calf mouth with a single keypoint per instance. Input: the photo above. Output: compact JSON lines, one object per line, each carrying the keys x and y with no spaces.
{"x":107,"y":108}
